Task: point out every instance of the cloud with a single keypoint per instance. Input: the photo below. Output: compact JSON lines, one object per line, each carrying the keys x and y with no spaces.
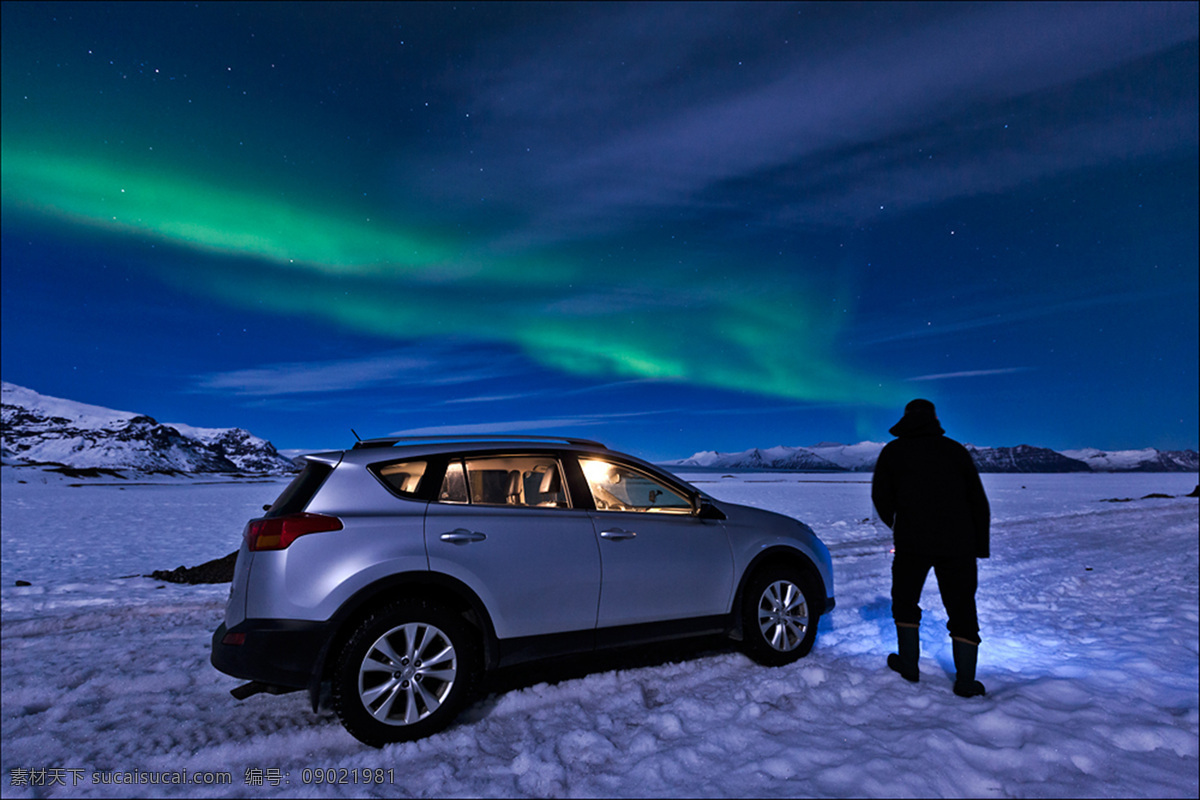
{"x":483,"y":428}
{"x":975,"y":373}
{"x":1001,"y":312}
{"x":814,"y":108}
{"x":427,"y":364}
{"x":524,"y":426}
{"x":850,"y":188}
{"x":494,"y":398}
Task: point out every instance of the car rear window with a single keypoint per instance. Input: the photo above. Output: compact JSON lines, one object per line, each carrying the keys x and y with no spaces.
{"x":402,"y":477}
{"x":300,"y":491}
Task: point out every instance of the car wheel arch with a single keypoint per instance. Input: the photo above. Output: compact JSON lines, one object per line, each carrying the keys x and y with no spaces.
{"x":406,"y":672}
{"x":430,"y":586}
{"x":772,"y":556}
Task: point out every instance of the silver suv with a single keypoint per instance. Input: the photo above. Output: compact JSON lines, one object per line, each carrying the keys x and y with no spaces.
{"x":389,"y":577}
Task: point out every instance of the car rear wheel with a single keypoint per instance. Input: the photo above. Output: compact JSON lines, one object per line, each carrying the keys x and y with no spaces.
{"x":405,"y":673}
{"x":779,"y":622}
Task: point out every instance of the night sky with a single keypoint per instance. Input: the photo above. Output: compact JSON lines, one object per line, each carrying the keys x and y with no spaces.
{"x":669,"y":227}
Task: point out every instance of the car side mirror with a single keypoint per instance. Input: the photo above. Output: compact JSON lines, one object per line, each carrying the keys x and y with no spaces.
{"x":709,"y":511}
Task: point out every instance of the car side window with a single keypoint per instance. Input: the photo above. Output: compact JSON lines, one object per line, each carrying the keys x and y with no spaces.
{"x":617,"y":487}
{"x":454,"y":485}
{"x":402,"y":477}
{"x":529,"y":481}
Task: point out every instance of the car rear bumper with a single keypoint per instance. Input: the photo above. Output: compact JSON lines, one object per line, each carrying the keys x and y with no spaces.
{"x":275,"y":652}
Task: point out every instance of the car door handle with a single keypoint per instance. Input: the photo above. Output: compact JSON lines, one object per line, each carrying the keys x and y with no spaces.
{"x":617,"y":534}
{"x":462,"y":536}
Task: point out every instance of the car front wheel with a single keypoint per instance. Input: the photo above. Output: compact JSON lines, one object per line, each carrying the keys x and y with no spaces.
{"x":405,"y":673}
{"x":779,"y":619}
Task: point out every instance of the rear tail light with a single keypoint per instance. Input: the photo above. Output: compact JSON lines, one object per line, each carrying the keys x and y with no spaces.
{"x":276,"y":533}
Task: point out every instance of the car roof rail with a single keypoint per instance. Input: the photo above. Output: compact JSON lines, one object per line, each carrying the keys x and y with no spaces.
{"x":391,"y":441}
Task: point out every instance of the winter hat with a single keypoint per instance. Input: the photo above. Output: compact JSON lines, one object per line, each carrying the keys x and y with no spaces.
{"x":920,"y":417}
{"x":920,"y":407}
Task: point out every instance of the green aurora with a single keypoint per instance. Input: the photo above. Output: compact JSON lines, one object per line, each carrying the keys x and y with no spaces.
{"x":628,"y":320}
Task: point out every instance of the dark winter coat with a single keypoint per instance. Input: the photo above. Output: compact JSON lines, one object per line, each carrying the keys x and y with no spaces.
{"x":927,"y":490}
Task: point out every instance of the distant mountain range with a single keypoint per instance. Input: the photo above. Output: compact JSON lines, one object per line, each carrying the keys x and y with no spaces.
{"x":831,"y":457}
{"x":37,"y":429}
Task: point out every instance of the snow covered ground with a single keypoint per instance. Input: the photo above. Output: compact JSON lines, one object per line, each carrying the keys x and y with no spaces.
{"x":1089,"y":614}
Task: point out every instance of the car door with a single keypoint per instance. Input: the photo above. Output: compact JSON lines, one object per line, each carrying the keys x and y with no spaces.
{"x":660,"y":561}
{"x":504,"y":526}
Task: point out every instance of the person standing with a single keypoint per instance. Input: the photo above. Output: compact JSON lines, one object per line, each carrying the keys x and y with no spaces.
{"x":927,"y":490}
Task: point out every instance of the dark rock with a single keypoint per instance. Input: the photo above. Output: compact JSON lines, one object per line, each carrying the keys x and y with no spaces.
{"x":219,"y":570}
{"x":86,"y":472}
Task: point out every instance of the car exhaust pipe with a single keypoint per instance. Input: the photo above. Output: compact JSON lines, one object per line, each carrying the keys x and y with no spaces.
{"x":257,"y":687}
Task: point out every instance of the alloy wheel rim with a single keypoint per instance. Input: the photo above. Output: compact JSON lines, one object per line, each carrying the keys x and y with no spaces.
{"x":407,"y":673}
{"x":783,"y":615}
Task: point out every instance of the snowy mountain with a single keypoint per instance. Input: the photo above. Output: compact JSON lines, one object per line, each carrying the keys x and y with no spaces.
{"x":853,"y":457}
{"x":37,"y":429}
{"x":1023,"y":458}
{"x":1148,"y":460}
{"x":247,"y":451}
{"x":833,"y":457}
{"x":793,"y":458}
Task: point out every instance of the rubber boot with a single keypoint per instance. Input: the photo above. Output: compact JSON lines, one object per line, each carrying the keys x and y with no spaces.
{"x":966,"y":654}
{"x":908,"y":642}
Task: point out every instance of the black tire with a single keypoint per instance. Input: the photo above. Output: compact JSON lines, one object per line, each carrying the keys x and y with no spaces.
{"x":405,"y":673}
{"x":779,"y":619}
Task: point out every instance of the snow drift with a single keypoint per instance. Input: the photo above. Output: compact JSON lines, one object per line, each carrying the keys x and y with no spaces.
{"x":1089,"y":624}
